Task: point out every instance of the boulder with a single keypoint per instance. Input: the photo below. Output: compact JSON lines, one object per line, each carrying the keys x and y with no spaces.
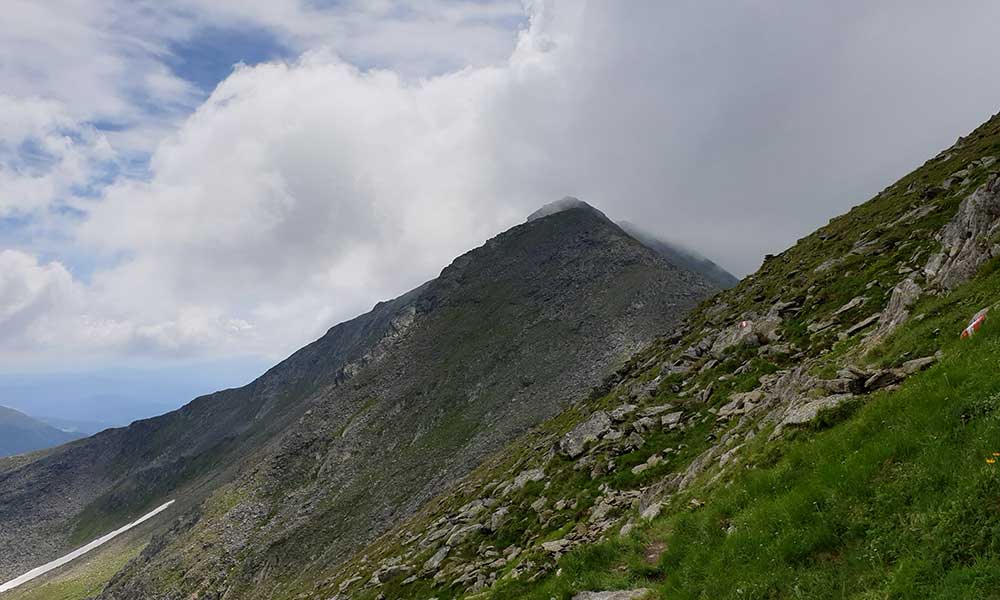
{"x":918,"y":364}
{"x":862,"y":324}
{"x":555,"y":546}
{"x":620,"y":413}
{"x":526,"y":476}
{"x":968,"y":240}
{"x":434,"y":563}
{"x":705,"y":394}
{"x":644,"y":424}
{"x":739,"y":404}
{"x":575,"y":442}
{"x":842,"y":385}
{"x":807,"y":413}
{"x":498,"y":518}
{"x":897,"y":311}
{"x":652,"y":411}
{"x":741,"y":333}
{"x":651,"y":462}
{"x":884,"y":378}
{"x":854,"y":303}
{"x":389,"y":574}
{"x":634,"y":441}
{"x":652,"y":511}
{"x":672,"y":419}
{"x":459,"y":535}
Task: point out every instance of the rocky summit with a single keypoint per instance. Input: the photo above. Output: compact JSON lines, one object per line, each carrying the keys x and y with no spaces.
{"x":293,"y":473}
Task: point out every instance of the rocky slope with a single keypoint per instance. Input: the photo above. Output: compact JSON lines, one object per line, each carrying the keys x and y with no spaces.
{"x":673,"y":253}
{"x":20,"y":433}
{"x":846,"y":316}
{"x":356,"y":431}
{"x":684,"y":258}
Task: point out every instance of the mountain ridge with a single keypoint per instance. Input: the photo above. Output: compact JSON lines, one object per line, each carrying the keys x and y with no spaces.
{"x":568,"y":275}
{"x":835,"y":326}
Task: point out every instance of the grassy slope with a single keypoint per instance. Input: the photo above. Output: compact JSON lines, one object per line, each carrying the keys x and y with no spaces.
{"x":898,"y":501}
{"x":873,"y":245}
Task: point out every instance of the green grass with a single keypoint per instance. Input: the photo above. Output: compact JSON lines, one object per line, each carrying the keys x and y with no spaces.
{"x":897,"y":501}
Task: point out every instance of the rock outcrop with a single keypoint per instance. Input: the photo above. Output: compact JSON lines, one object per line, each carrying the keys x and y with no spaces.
{"x":969,"y":239}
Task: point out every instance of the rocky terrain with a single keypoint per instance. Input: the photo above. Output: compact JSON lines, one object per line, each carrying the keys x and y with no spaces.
{"x":356,"y":431}
{"x":848,"y":315}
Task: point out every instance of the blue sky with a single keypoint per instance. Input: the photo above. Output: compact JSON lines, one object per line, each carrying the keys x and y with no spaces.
{"x":208,"y":56}
{"x":161,"y":211}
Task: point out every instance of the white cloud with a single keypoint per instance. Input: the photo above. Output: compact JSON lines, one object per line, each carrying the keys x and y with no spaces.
{"x":45,"y":154}
{"x":299,"y":194}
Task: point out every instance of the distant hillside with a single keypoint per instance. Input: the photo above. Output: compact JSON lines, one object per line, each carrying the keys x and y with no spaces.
{"x":19,"y":433}
{"x":682,"y":257}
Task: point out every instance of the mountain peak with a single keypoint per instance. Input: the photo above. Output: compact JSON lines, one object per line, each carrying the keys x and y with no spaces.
{"x":562,"y":205}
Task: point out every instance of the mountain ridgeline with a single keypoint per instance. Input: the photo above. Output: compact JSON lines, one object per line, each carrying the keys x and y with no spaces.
{"x":358,"y":430}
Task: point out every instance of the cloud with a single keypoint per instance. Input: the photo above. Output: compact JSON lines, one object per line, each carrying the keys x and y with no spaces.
{"x":29,"y":292}
{"x":300,"y":192}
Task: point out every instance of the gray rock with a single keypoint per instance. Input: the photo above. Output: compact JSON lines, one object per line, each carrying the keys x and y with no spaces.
{"x":614,"y":435}
{"x":575,"y":442}
{"x":897,"y":311}
{"x":918,"y":364}
{"x":650,"y":463}
{"x":862,"y":324}
{"x":854,"y":303}
{"x":434,"y":563}
{"x":390,"y":573}
{"x":672,"y":419}
{"x":843,"y":385}
{"x":652,"y":511}
{"x":526,"y":476}
{"x":968,"y":240}
{"x":652,"y":411}
{"x":751,"y":331}
{"x":705,"y":394}
{"x":556,"y":546}
{"x":644,"y":424}
{"x":635,"y":441}
{"x":739,"y":404}
{"x":459,"y":535}
{"x":499,"y":517}
{"x":620,"y":413}
{"x":808,"y":412}
{"x":884,"y":378}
